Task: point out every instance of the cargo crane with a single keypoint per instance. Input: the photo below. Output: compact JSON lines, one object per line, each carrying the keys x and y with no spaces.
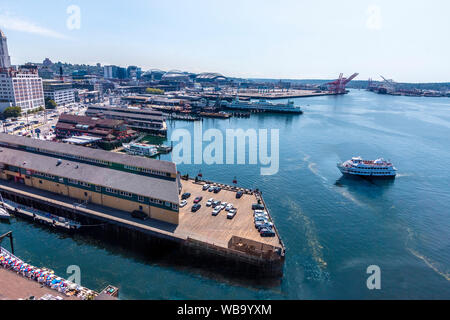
{"x":388,"y":86}
{"x":338,"y":86}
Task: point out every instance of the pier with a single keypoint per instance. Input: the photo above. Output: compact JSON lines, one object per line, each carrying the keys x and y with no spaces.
{"x":233,"y":245}
{"x":291,"y":94}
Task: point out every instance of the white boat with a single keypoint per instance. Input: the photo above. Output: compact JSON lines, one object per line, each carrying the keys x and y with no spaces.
{"x":4,"y":215}
{"x":140,"y":149}
{"x":368,"y":168}
{"x":263,"y":105}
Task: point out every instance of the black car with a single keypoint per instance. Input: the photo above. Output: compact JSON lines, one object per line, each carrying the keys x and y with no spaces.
{"x":239,"y":194}
{"x":217,"y":189}
{"x":267,"y":232}
{"x":139,"y":215}
{"x":257,"y":206}
{"x":196,"y":207}
{"x":185,"y":195}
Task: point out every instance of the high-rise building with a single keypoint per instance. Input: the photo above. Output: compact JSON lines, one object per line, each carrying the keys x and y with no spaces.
{"x":60,"y":92}
{"x":5,"y":60}
{"x":19,"y":87}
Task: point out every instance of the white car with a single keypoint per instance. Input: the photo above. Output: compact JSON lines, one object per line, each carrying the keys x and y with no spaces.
{"x":209,"y":202}
{"x":183,"y":203}
{"x":229,"y":207}
{"x":216,"y":211}
{"x":231,"y":213}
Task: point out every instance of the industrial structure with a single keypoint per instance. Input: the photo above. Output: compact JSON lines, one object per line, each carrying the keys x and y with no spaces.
{"x":338,"y":86}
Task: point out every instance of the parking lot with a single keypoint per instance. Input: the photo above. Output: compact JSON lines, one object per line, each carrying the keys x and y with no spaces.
{"x":202,"y":225}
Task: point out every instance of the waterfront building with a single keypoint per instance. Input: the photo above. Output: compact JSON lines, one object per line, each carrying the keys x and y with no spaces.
{"x":107,"y":129}
{"x":108,"y":179}
{"x":147,"y":120}
{"x":60,"y":92}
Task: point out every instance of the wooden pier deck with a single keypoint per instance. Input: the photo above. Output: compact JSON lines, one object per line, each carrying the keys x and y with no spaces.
{"x":218,"y":230}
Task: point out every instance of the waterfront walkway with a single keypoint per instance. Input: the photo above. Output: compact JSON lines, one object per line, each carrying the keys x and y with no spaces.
{"x":14,"y":287}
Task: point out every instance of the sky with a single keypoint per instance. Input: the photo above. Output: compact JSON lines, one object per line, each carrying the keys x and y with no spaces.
{"x":407,"y":41}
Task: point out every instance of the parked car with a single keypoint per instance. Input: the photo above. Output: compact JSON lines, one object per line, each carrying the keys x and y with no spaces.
{"x":231,"y":213}
{"x":257,"y":206}
{"x":196,"y":207}
{"x":259,"y":223}
{"x":198,"y":199}
{"x":211,"y":189}
{"x":216,"y":211}
{"x":239,"y":194}
{"x":205,"y":187}
{"x":209,"y":202}
{"x":185,"y":195}
{"x":217,"y":189}
{"x":265,"y":225}
{"x":183,"y":203}
{"x":229,"y":207}
{"x":139,"y":215}
{"x":216,"y":203}
{"x":266,"y":232}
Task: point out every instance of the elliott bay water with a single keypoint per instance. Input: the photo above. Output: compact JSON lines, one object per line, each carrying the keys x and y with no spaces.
{"x":333,"y":228}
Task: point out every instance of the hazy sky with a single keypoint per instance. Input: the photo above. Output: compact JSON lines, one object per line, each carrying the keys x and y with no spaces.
{"x":404,"y":40}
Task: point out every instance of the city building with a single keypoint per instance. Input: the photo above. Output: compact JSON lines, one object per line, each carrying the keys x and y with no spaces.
{"x":19,"y":87}
{"x":5,"y":60}
{"x":60,"y":92}
{"x":114,"y":72}
{"x":108,"y":129}
{"x":108,"y":179}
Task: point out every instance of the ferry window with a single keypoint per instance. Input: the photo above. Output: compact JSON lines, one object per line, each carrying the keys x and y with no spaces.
{"x":98,"y":188}
{"x":40,"y":181}
{"x":141,"y":198}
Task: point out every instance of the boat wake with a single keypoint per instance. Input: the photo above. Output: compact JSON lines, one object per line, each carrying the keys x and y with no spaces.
{"x":427,"y":260}
{"x":318,"y":270}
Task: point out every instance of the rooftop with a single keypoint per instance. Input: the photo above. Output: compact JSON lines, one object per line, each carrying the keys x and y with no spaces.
{"x":124,"y":159}
{"x":162,"y":189}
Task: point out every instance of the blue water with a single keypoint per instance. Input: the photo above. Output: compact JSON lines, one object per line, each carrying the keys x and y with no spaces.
{"x":333,"y":228}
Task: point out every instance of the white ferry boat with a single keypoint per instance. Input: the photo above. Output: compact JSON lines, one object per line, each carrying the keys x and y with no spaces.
{"x":368,"y":168}
{"x":140,"y":149}
{"x":263,"y":105}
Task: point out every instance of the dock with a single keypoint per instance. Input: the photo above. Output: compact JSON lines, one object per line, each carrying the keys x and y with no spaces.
{"x":278,"y":94}
{"x":199,"y":236}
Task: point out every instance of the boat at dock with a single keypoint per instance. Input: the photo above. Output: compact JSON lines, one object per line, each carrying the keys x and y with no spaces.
{"x":264,"y":106}
{"x":141,"y":149}
{"x":379,"y":168}
{"x":4,"y":215}
{"x":41,"y":217}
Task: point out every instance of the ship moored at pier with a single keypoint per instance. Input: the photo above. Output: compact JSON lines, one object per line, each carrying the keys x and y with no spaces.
{"x":264,"y":106}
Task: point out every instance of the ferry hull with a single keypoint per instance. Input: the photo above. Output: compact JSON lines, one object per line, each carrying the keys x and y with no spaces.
{"x":365,"y":175}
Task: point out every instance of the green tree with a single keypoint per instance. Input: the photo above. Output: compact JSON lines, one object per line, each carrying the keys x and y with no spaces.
{"x":50,"y":104}
{"x":12,"y":112}
{"x":154,"y":91}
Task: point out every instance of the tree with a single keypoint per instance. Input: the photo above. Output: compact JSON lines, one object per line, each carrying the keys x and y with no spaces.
{"x":50,"y":104}
{"x":12,"y":112}
{"x":154,"y":91}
